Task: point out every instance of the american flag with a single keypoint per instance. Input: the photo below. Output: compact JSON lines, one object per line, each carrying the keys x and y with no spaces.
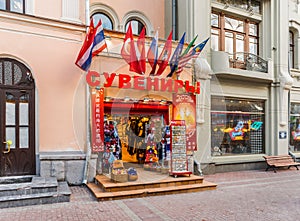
{"x":194,"y":53}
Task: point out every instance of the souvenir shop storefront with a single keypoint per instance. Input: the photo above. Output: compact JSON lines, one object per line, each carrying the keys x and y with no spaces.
{"x":147,"y":123}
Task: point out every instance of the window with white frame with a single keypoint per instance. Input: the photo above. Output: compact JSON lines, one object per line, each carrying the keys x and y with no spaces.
{"x":13,"y":5}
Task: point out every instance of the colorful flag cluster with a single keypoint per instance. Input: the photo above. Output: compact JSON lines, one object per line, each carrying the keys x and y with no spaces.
{"x":185,"y":58}
{"x":134,"y":54}
{"x":93,"y":44}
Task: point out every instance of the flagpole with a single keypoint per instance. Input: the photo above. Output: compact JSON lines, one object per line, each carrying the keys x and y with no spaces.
{"x":88,"y":134}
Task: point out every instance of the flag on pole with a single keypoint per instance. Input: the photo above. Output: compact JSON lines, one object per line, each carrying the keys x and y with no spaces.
{"x":189,"y":46}
{"x":84,"y":58}
{"x":165,"y":55}
{"x":128,"y":51}
{"x":141,"y":50}
{"x":93,"y":44}
{"x":99,"y":40}
{"x":175,"y":56}
{"x":153,"y":53}
{"x":192,"y":54}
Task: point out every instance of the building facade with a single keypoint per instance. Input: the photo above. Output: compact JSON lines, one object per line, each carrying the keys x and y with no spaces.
{"x":249,"y":76}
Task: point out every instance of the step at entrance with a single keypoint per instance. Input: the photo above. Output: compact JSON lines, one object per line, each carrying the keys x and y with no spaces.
{"x":32,"y":190}
{"x":105,"y":189}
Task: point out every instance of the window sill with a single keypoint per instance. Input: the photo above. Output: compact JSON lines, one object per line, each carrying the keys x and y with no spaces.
{"x":238,"y":159}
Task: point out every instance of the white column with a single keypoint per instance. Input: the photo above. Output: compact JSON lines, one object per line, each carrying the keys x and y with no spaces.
{"x":279,"y":94}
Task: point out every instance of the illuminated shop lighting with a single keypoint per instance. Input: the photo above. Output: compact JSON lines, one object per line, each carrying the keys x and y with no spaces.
{"x":107,"y":99}
{"x":126,"y":99}
{"x":146,"y":99}
{"x":163,"y":101}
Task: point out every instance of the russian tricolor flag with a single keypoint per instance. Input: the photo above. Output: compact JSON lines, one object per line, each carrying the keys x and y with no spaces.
{"x":94,"y":43}
{"x":153,"y":53}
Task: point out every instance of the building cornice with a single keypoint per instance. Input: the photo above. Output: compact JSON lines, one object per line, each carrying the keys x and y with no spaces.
{"x":40,"y":21}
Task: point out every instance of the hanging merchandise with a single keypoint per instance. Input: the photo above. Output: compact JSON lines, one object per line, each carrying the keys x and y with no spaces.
{"x":111,"y":138}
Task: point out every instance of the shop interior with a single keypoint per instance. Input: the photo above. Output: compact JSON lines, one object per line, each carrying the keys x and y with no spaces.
{"x":137,"y":135}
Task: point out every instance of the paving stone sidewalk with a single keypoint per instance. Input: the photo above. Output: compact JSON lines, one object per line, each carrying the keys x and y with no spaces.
{"x":240,"y":196}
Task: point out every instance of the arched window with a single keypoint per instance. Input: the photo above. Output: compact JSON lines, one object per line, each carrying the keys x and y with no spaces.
{"x":292,"y":51}
{"x":106,"y":21}
{"x":13,"y":5}
{"x":136,"y":25}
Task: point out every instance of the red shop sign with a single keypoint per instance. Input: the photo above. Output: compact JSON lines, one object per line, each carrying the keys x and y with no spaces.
{"x":97,"y":98}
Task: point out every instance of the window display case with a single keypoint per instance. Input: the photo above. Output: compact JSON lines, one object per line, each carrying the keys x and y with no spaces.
{"x":179,"y":161}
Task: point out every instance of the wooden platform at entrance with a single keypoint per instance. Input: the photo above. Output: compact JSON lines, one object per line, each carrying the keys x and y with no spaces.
{"x":105,"y":189}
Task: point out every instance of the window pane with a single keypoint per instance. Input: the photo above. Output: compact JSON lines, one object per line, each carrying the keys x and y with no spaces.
{"x":136,"y":26}
{"x":215,"y":20}
{"x":234,"y":24}
{"x":253,"y":29}
{"x":237,"y":126}
{"x":23,"y":137}
{"x":16,"y":5}
{"x":7,"y":73}
{"x":23,"y":113}
{"x":253,"y":46}
{"x":11,"y":135}
{"x":229,"y":42}
{"x":239,"y":43}
{"x":106,"y":21}
{"x":295,"y":126}
{"x":2,"y":4}
{"x":10,"y":110}
{"x":214,"y":40}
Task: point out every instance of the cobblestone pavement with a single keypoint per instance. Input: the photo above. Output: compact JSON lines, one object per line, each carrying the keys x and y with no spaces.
{"x":247,"y":195}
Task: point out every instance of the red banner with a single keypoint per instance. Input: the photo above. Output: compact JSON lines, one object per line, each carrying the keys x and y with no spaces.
{"x":184,"y":108}
{"x":97,"y":98}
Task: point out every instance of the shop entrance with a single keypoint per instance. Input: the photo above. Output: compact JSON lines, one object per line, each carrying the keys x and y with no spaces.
{"x":17,"y":152}
{"x":131,"y":132}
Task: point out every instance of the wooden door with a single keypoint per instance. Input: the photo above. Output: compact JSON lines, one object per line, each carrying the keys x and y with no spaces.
{"x":17,"y":125}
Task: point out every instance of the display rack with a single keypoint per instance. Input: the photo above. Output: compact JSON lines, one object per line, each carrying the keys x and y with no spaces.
{"x":179,"y":160}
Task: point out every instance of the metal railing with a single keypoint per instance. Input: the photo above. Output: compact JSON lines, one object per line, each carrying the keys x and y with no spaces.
{"x":248,"y":61}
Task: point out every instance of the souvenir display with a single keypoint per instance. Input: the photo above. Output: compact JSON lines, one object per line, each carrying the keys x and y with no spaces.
{"x":132,"y":174}
{"x":179,"y":160}
{"x":119,"y":173}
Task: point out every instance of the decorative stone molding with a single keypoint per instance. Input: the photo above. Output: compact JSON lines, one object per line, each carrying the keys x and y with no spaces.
{"x":141,"y":17}
{"x":202,"y":73}
{"x":202,"y":69}
{"x":102,"y":8}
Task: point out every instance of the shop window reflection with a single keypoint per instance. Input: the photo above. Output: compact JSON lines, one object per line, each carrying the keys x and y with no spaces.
{"x":237,"y":126}
{"x":295,"y":127}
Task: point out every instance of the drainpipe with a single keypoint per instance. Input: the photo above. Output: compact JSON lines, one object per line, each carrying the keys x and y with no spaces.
{"x":88,"y":132}
{"x":198,"y":165}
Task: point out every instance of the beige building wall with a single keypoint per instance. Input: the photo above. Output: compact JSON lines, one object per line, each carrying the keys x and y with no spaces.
{"x":49,"y":49}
